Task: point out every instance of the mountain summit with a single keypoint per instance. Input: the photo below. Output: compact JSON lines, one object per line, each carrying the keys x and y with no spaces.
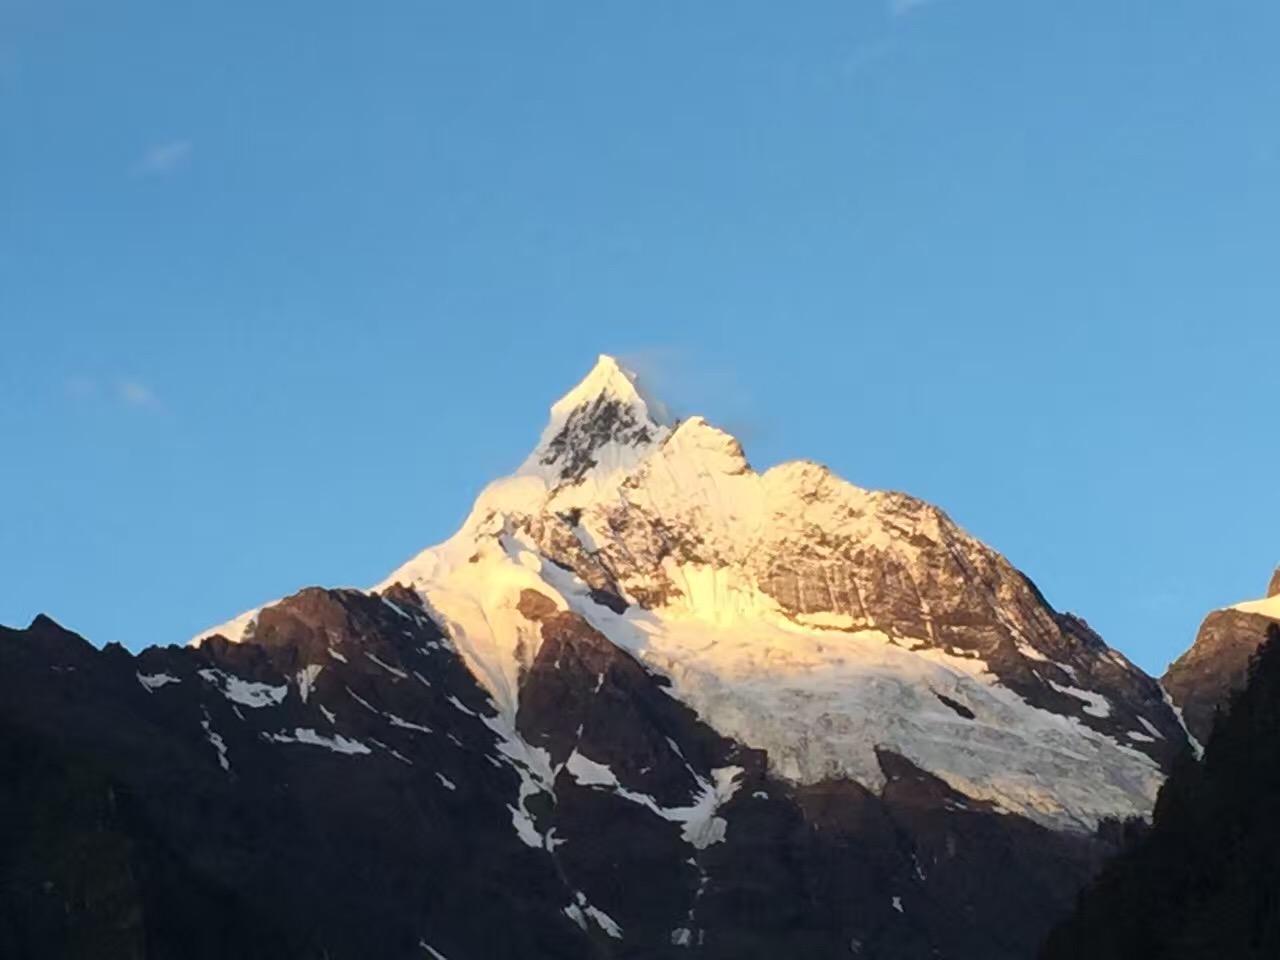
{"x":604,"y":423}
{"x":646,"y":702}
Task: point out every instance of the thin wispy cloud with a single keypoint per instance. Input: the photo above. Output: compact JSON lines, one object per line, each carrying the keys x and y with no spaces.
{"x":116,"y":392}
{"x":690,"y":384}
{"x":135,"y":394}
{"x":163,"y":159}
{"x":900,"y":8}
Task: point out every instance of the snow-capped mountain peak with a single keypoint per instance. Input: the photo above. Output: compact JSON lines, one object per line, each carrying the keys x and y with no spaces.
{"x":796,"y":612}
{"x":607,"y":422}
{"x":691,"y":708}
{"x":610,"y":378}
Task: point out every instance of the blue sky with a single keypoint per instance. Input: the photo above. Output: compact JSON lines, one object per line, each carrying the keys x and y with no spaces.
{"x":283,"y":285}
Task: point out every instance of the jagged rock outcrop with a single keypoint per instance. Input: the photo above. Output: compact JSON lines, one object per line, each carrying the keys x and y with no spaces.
{"x":1202,"y":680}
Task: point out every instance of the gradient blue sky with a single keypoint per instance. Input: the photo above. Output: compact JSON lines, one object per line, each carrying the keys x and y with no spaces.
{"x":282,"y":285}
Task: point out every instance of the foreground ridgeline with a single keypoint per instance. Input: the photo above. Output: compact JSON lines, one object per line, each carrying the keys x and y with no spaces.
{"x":647,"y":702}
{"x":1202,"y":680}
{"x":342,"y":786}
{"x":1204,"y":882}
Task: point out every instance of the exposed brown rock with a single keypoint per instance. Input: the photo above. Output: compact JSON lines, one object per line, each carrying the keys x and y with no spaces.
{"x":1202,"y":680}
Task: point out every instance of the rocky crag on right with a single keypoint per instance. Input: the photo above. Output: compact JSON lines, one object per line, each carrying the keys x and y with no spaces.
{"x":1217,"y":665}
{"x":1203,"y":882}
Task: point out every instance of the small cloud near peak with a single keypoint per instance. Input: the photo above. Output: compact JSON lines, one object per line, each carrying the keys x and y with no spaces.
{"x":163,"y":159}
{"x":136,"y":394}
{"x":114,"y":392}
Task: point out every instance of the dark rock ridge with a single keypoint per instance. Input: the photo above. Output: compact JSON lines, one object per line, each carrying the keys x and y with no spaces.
{"x":339,"y":786}
{"x":1202,"y":883}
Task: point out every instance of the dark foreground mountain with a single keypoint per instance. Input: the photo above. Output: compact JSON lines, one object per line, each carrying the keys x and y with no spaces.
{"x":1203,"y":679}
{"x":1204,"y":882}
{"x":646,"y":703}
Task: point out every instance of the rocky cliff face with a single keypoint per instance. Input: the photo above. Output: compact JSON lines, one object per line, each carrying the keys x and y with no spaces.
{"x":1203,"y":679}
{"x":648,"y":702}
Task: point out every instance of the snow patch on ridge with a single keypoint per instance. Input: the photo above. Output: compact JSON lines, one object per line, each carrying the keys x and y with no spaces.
{"x":580,"y":911}
{"x":700,"y":826}
{"x":245,"y":692}
{"x":306,"y":678}
{"x":216,"y":741}
{"x":1095,"y":704}
{"x":304,"y":735}
{"x":533,"y":766}
{"x":405,"y":724}
{"x":153,"y":682}
{"x":394,"y":671}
